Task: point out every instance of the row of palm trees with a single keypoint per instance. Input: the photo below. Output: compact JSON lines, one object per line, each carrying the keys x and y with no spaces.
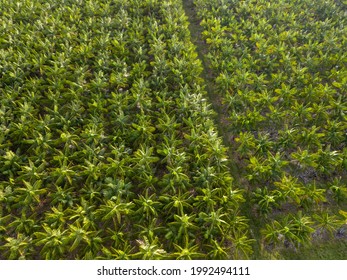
{"x":109,"y":150}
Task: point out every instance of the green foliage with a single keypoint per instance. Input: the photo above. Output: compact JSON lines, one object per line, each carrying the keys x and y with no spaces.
{"x":279,"y":68}
{"x":108,"y":145}
{"x":106,"y":136}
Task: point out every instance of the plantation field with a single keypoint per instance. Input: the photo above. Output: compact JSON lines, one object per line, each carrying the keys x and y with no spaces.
{"x":280,"y":69}
{"x":123,"y":137}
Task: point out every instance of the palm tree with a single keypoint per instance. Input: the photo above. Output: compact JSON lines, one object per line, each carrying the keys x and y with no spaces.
{"x":250,"y":120}
{"x":206,"y":175}
{"x":83,"y":214}
{"x":11,"y":163}
{"x":279,"y":233}
{"x":259,"y":169}
{"x":311,"y":137}
{"x":320,"y":113}
{"x":65,"y":172}
{"x":182,"y":228}
{"x":217,"y":153}
{"x":343,"y":158}
{"x":290,"y":188}
{"x":117,"y":235}
{"x":98,"y":82}
{"x":143,"y":158}
{"x":263,"y":144}
{"x":57,"y":218}
{"x":232,"y":198}
{"x":19,"y":247}
{"x":287,"y":138}
{"x":177,"y":203}
{"x":215,"y":223}
{"x":147,"y":180}
{"x":327,"y":160}
{"x":266,"y":200}
{"x":301,"y":228}
{"x":276,"y":116}
{"x":114,"y":210}
{"x":241,"y":245}
{"x":334,"y":132}
{"x":39,"y":143}
{"x":339,"y":190}
{"x":92,"y":170}
{"x":84,"y":244}
{"x":77,"y":235}
{"x":33,"y":173}
{"x":4,"y":221}
{"x":173,"y":156}
{"x":62,"y":195}
{"x":246,"y":143}
{"x":124,"y":252}
{"x":118,"y":165}
{"x":175,"y":179}
{"x":327,"y":223}
{"x":150,"y":250}
{"x":113,"y":188}
{"x":24,"y":224}
{"x":273,"y":233}
{"x":304,"y":158}
{"x":312,"y":195}
{"x":224,"y":83}
{"x":233,"y":101}
{"x":338,"y":107}
{"x":53,"y":242}
{"x":121,"y":119}
{"x":147,"y":206}
{"x":206,"y":201}
{"x":143,"y":133}
{"x":238,"y":222}
{"x":188,"y":252}
{"x":277,"y":164}
{"x":92,"y":193}
{"x":150,"y":229}
{"x":216,"y":251}
{"x":30,"y":194}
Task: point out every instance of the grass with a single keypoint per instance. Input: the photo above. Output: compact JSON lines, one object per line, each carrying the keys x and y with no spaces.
{"x":333,"y":250}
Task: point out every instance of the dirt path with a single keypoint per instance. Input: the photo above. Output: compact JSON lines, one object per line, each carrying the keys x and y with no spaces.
{"x":207,"y":74}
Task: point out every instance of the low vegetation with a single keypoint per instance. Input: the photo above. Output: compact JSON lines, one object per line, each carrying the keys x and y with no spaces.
{"x":109,"y":148}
